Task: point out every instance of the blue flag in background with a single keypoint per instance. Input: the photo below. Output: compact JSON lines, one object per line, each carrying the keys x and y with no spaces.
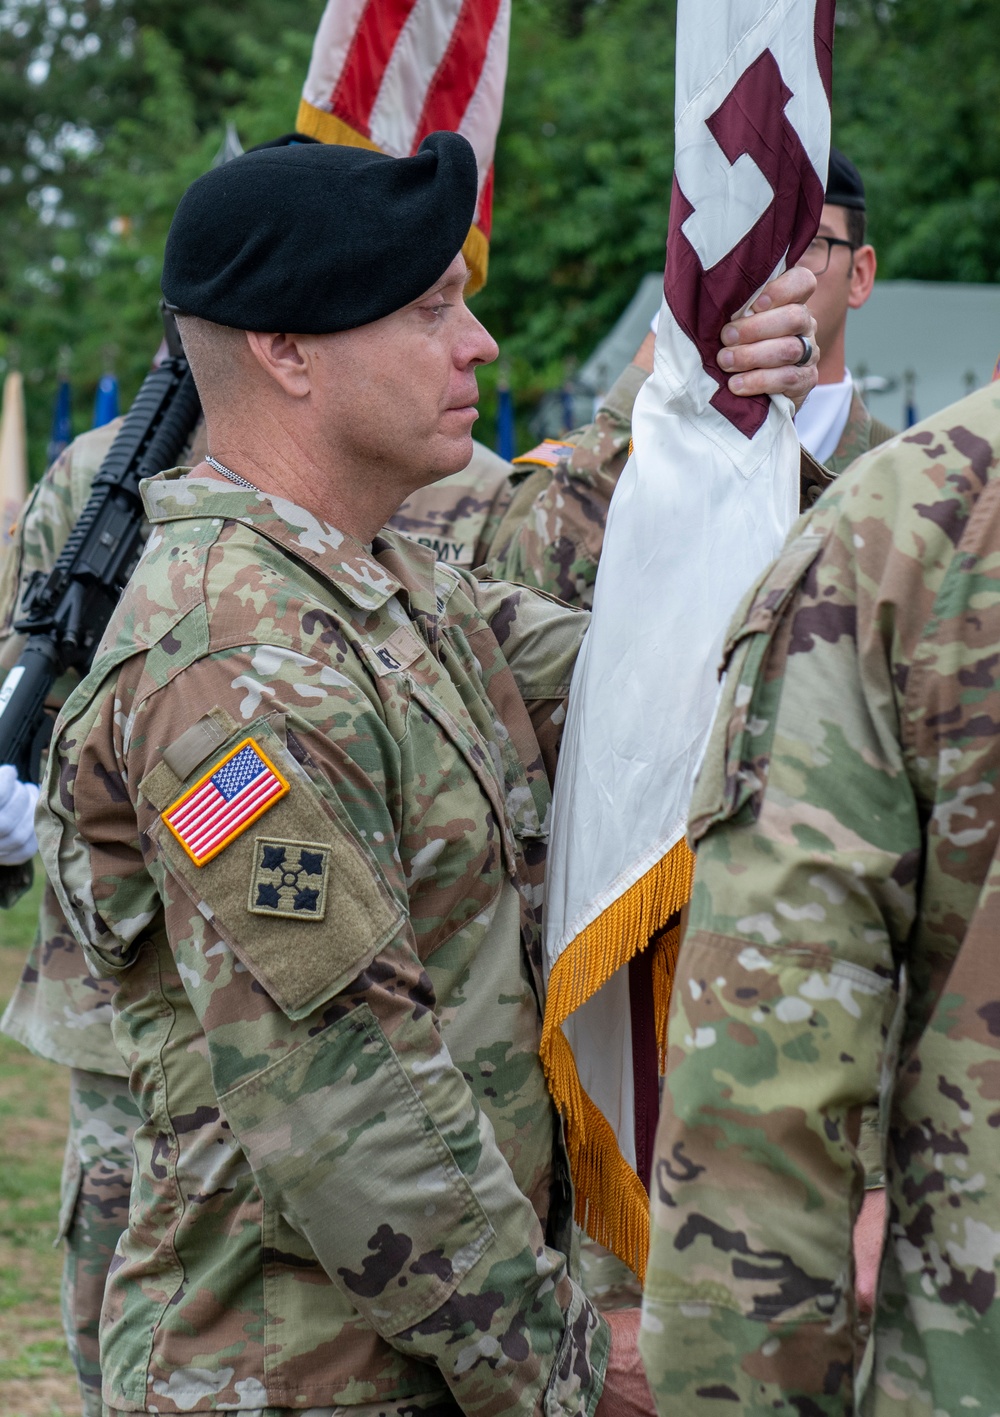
{"x":106,"y":400}
{"x":62,"y":425}
{"x":505,"y":422}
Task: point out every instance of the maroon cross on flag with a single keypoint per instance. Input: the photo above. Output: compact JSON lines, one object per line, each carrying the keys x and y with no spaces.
{"x":754,"y":205}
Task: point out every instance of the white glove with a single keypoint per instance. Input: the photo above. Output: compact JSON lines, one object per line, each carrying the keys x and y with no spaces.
{"x":17,"y":818}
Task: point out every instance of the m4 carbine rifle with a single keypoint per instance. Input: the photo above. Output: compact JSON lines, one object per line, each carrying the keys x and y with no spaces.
{"x":66,"y":611}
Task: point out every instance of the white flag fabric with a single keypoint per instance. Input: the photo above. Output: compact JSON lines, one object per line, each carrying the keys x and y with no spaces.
{"x":702,"y":507}
{"x":385,"y":73}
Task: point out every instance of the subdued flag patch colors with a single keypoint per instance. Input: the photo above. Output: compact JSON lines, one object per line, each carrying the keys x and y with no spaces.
{"x":289,"y":879}
{"x":386,"y":73}
{"x":234,"y":793}
{"x":701,"y":508}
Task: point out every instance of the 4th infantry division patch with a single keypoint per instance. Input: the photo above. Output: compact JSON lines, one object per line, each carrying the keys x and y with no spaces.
{"x":289,"y":878}
{"x":232,"y":794}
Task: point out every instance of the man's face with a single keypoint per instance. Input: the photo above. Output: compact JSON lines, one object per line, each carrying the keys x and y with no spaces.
{"x":401,"y":392}
{"x":845,"y":284}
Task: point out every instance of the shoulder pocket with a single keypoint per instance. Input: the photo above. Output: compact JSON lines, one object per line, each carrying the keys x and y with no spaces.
{"x":732,"y":771}
{"x":282,"y":875}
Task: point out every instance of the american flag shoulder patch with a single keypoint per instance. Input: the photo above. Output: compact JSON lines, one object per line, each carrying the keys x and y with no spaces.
{"x":547,"y":454}
{"x":237,"y":790}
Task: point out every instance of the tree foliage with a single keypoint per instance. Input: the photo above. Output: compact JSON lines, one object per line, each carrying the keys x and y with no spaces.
{"x":916,"y":98}
{"x":108,"y":108}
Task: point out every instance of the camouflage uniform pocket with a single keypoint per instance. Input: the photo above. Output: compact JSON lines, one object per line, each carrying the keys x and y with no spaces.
{"x":404,"y":1232}
{"x":731,"y":776}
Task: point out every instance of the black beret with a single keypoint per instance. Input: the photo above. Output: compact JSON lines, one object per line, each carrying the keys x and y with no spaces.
{"x":844,"y":187}
{"x":286,"y":140}
{"x":310,"y":238}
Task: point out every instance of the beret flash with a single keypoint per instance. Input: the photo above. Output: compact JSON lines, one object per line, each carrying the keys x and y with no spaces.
{"x":311,"y":238}
{"x":844,"y":187}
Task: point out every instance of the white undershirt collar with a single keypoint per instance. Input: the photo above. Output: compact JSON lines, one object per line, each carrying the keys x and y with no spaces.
{"x":821,"y":420}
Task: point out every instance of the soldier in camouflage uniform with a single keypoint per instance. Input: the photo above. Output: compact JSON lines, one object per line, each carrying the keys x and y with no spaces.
{"x":59,"y":1010}
{"x":862,"y":432}
{"x":843,"y":935}
{"x":63,"y":1013}
{"x":350,"y":1185}
{"x":553,"y":530}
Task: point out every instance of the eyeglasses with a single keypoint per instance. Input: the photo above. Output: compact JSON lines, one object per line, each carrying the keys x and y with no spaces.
{"x":816,"y":256}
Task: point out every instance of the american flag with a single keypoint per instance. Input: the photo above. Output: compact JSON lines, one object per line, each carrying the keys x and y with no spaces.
{"x":235,"y":793}
{"x":385,"y":73}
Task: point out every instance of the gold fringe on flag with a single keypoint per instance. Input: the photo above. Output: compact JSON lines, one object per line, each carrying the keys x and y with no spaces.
{"x":611,"y":1201}
{"x":328,"y":128}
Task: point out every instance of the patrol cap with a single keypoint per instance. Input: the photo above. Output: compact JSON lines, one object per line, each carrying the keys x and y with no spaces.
{"x":311,"y":238}
{"x":844,"y":187}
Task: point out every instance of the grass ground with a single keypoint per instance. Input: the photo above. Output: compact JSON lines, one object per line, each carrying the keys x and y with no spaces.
{"x":36,"y":1376}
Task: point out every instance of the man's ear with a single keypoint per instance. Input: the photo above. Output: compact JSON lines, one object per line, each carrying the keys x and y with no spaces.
{"x":862,"y":276}
{"x":283,"y":359}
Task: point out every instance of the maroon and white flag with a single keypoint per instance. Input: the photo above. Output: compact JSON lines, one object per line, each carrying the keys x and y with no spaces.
{"x":702,"y":507}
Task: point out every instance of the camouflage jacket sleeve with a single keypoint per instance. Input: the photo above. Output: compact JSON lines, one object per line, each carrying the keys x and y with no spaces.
{"x":334,"y":1054}
{"x":552,"y":534}
{"x":808,"y":841}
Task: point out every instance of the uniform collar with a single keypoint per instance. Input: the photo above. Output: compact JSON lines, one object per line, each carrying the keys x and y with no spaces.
{"x":177,"y":495}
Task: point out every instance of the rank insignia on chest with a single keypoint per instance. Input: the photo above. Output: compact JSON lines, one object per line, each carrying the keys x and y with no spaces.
{"x":238,"y":790}
{"x":289,"y":878}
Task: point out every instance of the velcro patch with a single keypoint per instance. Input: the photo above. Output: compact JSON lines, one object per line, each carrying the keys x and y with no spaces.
{"x":402,"y":648}
{"x":230,"y":797}
{"x":289,"y":878}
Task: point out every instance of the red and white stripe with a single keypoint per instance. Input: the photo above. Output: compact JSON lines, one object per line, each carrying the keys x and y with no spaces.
{"x":396,"y":70}
{"x":206,"y":819}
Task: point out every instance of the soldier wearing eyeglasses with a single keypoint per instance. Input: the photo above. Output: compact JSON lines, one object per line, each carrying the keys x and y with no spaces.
{"x":833,"y":423}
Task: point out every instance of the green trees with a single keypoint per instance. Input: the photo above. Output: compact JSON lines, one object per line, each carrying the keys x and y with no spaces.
{"x":916,"y":100}
{"x":107,"y":111}
{"x":108,"y":108}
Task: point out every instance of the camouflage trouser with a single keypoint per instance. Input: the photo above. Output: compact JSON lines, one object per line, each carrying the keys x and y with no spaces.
{"x":97,"y":1178}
